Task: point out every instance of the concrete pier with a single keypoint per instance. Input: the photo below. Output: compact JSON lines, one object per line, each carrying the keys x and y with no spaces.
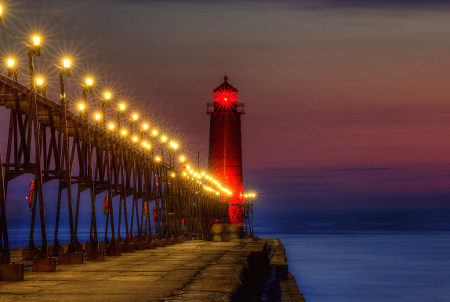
{"x":193,"y":270}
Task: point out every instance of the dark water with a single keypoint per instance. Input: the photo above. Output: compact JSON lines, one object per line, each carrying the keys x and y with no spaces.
{"x":19,"y":228}
{"x":365,"y":256}
{"x":335,"y":256}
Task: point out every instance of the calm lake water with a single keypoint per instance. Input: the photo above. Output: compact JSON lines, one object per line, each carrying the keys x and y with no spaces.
{"x":365,"y":256}
{"x":335,"y":256}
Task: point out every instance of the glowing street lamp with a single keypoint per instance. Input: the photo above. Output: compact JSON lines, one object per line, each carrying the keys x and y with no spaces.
{"x":89,"y":84}
{"x":66,"y":69}
{"x":37,"y":41}
{"x":121,"y":111}
{"x":111,"y":126}
{"x":12,"y":71}
{"x":107,"y":101}
{"x":144,"y":143}
{"x":98,"y":117}
{"x":158,"y":158}
{"x":182,"y":159}
{"x":163,"y":139}
{"x":133,"y":121}
{"x":135,"y":139}
{"x":41,"y":88}
{"x":155,"y":132}
{"x":145,"y":126}
{"x":36,"y":48}
{"x":81,"y":107}
{"x":124,"y":132}
{"x":1,"y":16}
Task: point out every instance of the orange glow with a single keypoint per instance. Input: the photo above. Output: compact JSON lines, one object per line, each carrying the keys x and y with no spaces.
{"x":36,"y":41}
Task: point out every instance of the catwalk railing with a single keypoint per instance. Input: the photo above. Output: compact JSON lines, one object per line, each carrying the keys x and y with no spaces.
{"x":48,"y":141}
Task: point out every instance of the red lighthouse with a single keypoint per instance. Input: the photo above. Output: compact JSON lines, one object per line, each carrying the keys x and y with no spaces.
{"x":225,"y":151}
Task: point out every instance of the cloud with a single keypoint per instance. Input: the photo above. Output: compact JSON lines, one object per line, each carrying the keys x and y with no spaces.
{"x":360,"y":169}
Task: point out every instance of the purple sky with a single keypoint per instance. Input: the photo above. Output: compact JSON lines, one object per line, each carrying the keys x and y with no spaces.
{"x":347,"y":105}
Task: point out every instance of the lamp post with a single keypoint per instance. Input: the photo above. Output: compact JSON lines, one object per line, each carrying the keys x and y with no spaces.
{"x":172,"y":157}
{"x":13,"y":71}
{"x":134,"y":207}
{"x":40,"y":87}
{"x":123,"y":195}
{"x":161,"y":144}
{"x":120,"y":113}
{"x":106,"y":102}
{"x":153,"y":137}
{"x":34,"y":50}
{"x":108,"y":171}
{"x":87,"y":89}
{"x":65,"y":72}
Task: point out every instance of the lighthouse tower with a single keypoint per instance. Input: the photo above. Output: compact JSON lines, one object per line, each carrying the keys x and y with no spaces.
{"x":225,"y":151}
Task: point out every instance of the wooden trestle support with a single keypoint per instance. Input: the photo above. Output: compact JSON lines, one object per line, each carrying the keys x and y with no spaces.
{"x":70,"y":149}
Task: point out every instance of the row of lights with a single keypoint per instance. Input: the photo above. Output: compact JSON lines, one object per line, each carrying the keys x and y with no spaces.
{"x":89,"y":84}
{"x":124,"y":132}
{"x":199,"y":176}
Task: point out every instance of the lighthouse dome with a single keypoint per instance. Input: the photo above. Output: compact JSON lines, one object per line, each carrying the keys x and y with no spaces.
{"x":225,"y":87}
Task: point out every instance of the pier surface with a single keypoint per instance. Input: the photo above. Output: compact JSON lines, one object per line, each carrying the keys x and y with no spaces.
{"x":193,"y":270}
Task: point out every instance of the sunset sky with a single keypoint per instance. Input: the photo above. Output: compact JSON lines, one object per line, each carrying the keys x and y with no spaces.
{"x":347,"y":102}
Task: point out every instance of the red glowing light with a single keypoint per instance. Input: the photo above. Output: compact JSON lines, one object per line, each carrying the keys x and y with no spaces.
{"x":225,"y":99}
